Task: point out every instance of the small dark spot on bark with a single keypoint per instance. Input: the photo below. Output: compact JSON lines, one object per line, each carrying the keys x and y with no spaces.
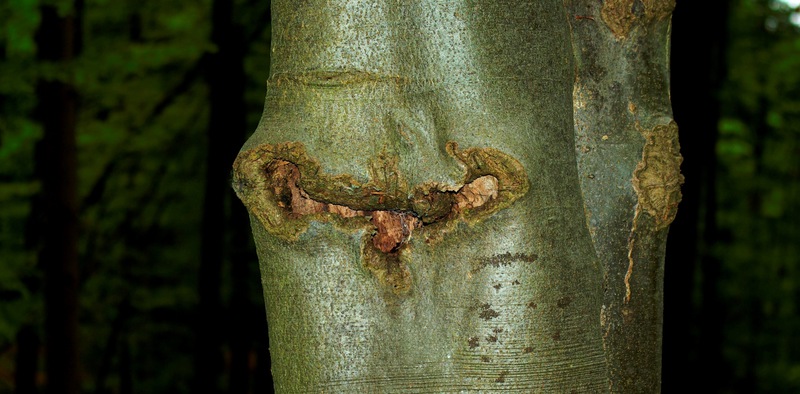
{"x":473,"y":342}
{"x":532,"y":305}
{"x":497,"y":286}
{"x":487,"y":313}
{"x":502,"y":377}
{"x":564,"y":302}
{"x":515,"y":282}
{"x":505,"y":259}
{"x":497,"y":330}
{"x":486,"y":359}
{"x":491,"y":338}
{"x":527,"y":350}
{"x":557,"y":336}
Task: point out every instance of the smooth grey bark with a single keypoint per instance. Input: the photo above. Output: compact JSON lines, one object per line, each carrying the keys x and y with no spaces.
{"x":394,"y":107}
{"x":629,"y":164}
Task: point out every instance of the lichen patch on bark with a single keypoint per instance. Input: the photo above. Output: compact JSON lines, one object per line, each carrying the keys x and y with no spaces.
{"x":657,"y":178}
{"x":621,"y":15}
{"x":657,"y":182}
{"x":285,"y":190}
{"x":618,"y":16}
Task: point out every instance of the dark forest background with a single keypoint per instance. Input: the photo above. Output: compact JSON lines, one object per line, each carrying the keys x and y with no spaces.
{"x":126,"y":259}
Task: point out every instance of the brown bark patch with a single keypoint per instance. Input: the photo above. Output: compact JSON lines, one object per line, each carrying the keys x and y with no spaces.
{"x":477,"y":193}
{"x":657,"y":178}
{"x":393,"y":229}
{"x":618,"y":16}
{"x":487,"y":313}
{"x":622,"y":15}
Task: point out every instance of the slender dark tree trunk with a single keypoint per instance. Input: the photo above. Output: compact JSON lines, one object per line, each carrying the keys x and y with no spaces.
{"x":26,"y":363}
{"x":242,"y":325}
{"x":225,"y":78}
{"x":126,"y":380}
{"x":698,"y":68}
{"x":58,"y":40}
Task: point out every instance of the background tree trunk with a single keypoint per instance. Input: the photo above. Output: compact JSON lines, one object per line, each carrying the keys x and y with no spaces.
{"x":700,"y":63}
{"x":27,"y":360}
{"x":225,"y":78}
{"x":58,"y":41}
{"x":447,"y":129}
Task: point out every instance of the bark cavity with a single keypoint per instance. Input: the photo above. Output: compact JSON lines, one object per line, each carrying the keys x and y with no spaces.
{"x":285,"y":190}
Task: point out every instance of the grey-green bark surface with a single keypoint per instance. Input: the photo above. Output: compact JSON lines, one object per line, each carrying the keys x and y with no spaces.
{"x":629,"y":165}
{"x":393,"y":106}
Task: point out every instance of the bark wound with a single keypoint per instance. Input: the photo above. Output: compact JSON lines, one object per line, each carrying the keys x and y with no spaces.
{"x":285,"y":190}
{"x":657,"y":178}
{"x":657,"y":182}
{"x":622,"y":15}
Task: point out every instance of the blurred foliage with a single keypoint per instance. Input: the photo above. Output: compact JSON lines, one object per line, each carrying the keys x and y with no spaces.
{"x":758,"y":198}
{"x":141,"y":150}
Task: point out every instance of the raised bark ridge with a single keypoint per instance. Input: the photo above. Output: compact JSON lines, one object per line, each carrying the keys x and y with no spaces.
{"x":285,"y":190}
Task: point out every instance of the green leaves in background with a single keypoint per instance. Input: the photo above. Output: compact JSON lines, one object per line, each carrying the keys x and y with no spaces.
{"x":758,"y":198}
{"x":141,"y":149}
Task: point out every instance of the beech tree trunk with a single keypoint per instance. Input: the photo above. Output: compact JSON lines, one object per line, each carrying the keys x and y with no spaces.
{"x":629,"y":164}
{"x":421,"y":217}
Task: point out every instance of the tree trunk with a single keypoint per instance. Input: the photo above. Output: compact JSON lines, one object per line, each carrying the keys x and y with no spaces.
{"x":26,"y":363}
{"x":58,"y":41}
{"x":629,"y":164}
{"x":417,"y":206}
{"x":225,"y":78}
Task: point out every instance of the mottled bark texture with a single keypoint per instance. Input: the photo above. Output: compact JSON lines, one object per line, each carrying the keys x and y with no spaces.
{"x":417,"y":206}
{"x":629,"y":166}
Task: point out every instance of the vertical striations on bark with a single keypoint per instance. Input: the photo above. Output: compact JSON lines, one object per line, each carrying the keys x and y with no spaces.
{"x":426,"y":145}
{"x":629,"y":166}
